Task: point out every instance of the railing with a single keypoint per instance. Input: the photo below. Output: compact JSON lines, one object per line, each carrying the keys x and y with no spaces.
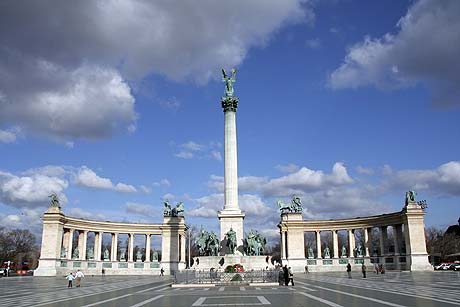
{"x":222,"y":278}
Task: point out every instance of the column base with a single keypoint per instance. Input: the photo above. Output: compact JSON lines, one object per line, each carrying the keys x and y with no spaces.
{"x":46,"y":267}
{"x":231,"y":219}
{"x":419,"y":262}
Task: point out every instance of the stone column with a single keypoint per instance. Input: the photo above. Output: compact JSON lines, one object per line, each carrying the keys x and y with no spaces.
{"x":182,"y":249}
{"x":84,"y":243}
{"x":399,"y":234}
{"x":351,"y":243}
{"x":131,"y":247}
{"x":147,"y":247}
{"x":65,"y":242}
{"x":367,"y":242}
{"x":395,"y":241}
{"x":97,"y":246}
{"x":283,"y":245}
{"x":81,"y":243}
{"x":114,"y":247}
{"x":318,"y":244}
{"x":69,"y":246}
{"x":383,"y":239}
{"x":231,"y":215}
{"x":335,"y":242}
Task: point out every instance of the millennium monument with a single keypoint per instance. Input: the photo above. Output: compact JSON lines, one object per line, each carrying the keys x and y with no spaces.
{"x":364,"y":240}
{"x":231,"y":216}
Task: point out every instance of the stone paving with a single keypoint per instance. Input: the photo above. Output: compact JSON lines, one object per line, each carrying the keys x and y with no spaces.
{"x":316,"y":289}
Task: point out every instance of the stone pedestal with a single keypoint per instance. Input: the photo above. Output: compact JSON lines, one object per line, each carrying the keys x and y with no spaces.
{"x":414,"y":231}
{"x":53,"y":220}
{"x":231,"y":219}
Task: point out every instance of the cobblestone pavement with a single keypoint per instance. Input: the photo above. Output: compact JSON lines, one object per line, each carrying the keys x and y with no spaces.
{"x":315,"y":289}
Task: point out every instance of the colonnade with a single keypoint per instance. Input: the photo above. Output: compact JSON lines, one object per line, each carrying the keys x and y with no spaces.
{"x":408,"y":241}
{"x":59,"y":254}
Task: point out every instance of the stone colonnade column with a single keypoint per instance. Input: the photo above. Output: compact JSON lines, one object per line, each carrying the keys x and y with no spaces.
{"x":395,"y":240}
{"x":351,"y":243}
{"x":367,"y":241}
{"x":84,"y":240}
{"x":114,"y":247}
{"x":65,"y":242}
{"x":383,"y":239}
{"x":182,"y":247}
{"x":98,"y":245}
{"x":69,"y":246}
{"x":283,"y":245}
{"x":147,"y":247}
{"x":318,"y":244}
{"x":335,"y":243}
{"x":131,"y":247}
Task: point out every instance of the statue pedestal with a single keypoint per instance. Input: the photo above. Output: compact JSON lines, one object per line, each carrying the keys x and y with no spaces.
{"x":219,"y":263}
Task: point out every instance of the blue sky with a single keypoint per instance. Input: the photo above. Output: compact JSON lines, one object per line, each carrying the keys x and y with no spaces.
{"x":116,"y":106}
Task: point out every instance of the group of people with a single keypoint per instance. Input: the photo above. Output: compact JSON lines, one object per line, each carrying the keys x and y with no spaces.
{"x":363,"y":270}
{"x":286,"y":276}
{"x":77,"y":277}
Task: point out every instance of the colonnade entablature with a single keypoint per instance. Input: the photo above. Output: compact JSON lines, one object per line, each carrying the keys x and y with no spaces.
{"x":61,"y":253}
{"x":367,"y":239}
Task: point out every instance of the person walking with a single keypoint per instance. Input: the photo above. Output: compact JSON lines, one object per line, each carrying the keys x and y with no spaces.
{"x":291,"y":276}
{"x":162,"y":272}
{"x":376,"y":268}
{"x":103,"y":272}
{"x":306,"y":269}
{"x":286,"y":275}
{"x":363,"y":270}
{"x":70,"y":278}
{"x":78,"y":276}
{"x":349,"y":270}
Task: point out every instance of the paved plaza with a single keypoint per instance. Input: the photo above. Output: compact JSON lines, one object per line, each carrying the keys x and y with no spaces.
{"x":316,"y":289}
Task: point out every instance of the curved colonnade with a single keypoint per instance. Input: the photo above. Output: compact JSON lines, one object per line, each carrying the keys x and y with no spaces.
{"x":408,"y":242}
{"x":59,"y":255}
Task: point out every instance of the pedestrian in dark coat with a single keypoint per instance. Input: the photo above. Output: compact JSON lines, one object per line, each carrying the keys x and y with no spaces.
{"x":286,"y":275}
{"x":349,"y":270}
{"x":363,"y":269}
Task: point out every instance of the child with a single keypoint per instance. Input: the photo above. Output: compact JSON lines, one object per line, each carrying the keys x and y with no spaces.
{"x":70,"y":278}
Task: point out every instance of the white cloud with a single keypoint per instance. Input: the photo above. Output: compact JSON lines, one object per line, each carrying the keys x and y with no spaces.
{"x":444,"y":180}
{"x":142,"y":209}
{"x":7,"y":136}
{"x":193,"y":150}
{"x":398,"y":60}
{"x":364,"y":171}
{"x":125,"y":188}
{"x":163,"y":182}
{"x":313,"y":43}
{"x":172,"y":103}
{"x":184,"y":155}
{"x":88,"y":178}
{"x":84,"y":214}
{"x":30,"y":190}
{"x":145,"y":189}
{"x":288,"y":168}
{"x":24,"y":219}
{"x":70,"y":82}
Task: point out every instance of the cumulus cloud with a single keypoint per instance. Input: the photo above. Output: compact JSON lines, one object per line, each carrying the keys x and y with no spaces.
{"x":86,"y":177}
{"x":141,"y":209}
{"x":30,"y":190}
{"x":424,"y":50}
{"x":288,"y":168}
{"x":63,"y":67}
{"x":193,"y":150}
{"x":364,"y":171}
{"x":26,"y":218}
{"x":8,"y":136}
{"x":443,"y":180}
{"x":84,"y":214}
{"x":208,"y":206}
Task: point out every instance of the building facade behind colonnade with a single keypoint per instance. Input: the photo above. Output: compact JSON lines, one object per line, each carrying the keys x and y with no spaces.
{"x":59,"y":255}
{"x":409,"y":245}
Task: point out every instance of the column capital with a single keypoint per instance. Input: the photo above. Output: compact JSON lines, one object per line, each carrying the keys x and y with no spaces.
{"x":229,"y":103}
